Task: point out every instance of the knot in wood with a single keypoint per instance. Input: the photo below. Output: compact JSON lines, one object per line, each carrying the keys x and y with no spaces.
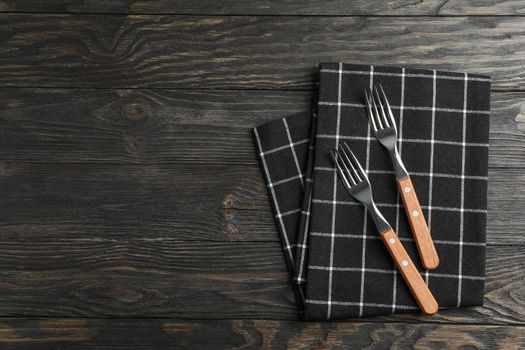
{"x":228,"y":201}
{"x":137,"y":110}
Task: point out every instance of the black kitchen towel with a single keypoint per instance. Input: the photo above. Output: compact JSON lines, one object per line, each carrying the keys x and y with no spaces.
{"x":345,"y":271}
{"x":284,"y":151}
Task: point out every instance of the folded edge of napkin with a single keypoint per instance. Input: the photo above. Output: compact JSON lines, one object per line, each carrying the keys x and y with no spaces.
{"x":288,"y":137}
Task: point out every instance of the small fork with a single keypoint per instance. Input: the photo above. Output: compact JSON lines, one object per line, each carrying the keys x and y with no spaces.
{"x":356,"y":183}
{"x":385,"y":131}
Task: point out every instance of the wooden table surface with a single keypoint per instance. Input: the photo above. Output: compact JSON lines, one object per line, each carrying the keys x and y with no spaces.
{"x":133,"y":211}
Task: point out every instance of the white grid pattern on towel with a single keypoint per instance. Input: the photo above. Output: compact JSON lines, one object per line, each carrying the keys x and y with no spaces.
{"x":286,"y":213}
{"x":416,"y":173}
{"x":334,"y":194}
{"x":462,"y":209}
{"x":299,"y":172}
{"x":375,"y":237}
{"x":365,"y":215}
{"x":383,"y":271}
{"x":288,"y":179}
{"x":412,"y":108}
{"x":408,"y":75}
{"x":277,"y":149}
{"x":349,"y":303}
{"x":431,"y":166}
{"x":302,"y":262}
{"x":390,"y":205}
{"x":287,"y":247}
{"x":443,"y":142}
{"x":304,"y":222}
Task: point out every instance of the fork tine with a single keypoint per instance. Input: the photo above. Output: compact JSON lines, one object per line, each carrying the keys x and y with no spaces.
{"x":348,"y":162}
{"x":369,"y":111}
{"x":356,"y":162}
{"x":376,"y":115}
{"x":345,"y":166}
{"x":340,"y":171}
{"x":388,"y":109}
{"x":383,"y":114}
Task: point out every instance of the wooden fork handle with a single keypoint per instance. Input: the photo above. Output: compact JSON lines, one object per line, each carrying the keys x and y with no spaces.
{"x":418,"y":224}
{"x":424,"y":298}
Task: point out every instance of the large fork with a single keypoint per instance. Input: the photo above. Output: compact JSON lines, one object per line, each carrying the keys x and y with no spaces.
{"x":385,"y":131}
{"x":356,"y":183}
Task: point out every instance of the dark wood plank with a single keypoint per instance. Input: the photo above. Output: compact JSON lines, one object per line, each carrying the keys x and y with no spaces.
{"x":268,"y":7}
{"x":169,"y":278}
{"x":150,"y":278}
{"x":186,"y":202}
{"x":204,"y":202}
{"x":486,"y":7}
{"x":153,"y":126}
{"x":137,"y":126}
{"x":130,"y":126}
{"x":504,"y":223}
{"x":244,"y":51}
{"x":506,"y":134}
{"x":151,"y":334}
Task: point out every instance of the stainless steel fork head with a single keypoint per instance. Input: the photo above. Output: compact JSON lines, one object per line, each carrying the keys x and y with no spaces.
{"x":356,"y":182}
{"x":383,"y":126}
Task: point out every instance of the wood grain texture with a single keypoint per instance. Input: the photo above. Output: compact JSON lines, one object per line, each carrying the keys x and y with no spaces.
{"x":196,"y":280}
{"x":137,"y":126}
{"x":486,"y":7}
{"x":154,"y":334}
{"x":154,"y":126}
{"x":268,"y":7}
{"x":149,"y":278}
{"x":418,"y":224}
{"x":213,"y":202}
{"x":501,"y":218}
{"x":242,"y":52}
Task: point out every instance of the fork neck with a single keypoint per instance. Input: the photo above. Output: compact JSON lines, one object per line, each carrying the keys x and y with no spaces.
{"x":399,"y":167}
{"x":379,"y":220}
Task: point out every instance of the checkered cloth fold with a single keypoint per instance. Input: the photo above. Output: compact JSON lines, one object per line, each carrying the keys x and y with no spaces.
{"x":338,"y":265}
